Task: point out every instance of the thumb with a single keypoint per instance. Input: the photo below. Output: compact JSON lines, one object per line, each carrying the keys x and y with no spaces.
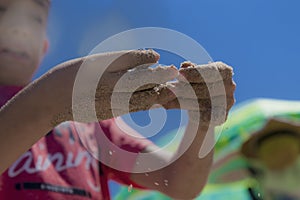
{"x":125,"y":60}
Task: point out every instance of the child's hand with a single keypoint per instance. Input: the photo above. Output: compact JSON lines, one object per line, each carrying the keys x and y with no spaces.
{"x":207,"y":95}
{"x":112,"y":84}
{"x":131,"y":88}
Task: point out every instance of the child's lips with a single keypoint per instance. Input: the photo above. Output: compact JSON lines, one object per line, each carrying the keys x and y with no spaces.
{"x":18,"y":55}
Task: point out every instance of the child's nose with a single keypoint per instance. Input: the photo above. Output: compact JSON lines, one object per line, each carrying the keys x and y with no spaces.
{"x":15,"y":22}
{"x":15,"y":34}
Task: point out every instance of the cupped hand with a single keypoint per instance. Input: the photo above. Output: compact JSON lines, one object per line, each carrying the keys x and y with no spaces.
{"x":206,"y":91}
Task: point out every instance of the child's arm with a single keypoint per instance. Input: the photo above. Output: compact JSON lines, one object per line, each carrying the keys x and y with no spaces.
{"x":48,"y":101}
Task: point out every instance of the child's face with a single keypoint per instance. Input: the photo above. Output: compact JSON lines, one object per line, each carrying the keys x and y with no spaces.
{"x":22,"y":39}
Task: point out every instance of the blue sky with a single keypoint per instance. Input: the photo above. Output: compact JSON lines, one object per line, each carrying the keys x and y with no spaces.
{"x":259,"y":39}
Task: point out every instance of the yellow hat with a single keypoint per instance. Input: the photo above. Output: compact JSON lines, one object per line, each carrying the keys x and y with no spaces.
{"x":273,"y":127}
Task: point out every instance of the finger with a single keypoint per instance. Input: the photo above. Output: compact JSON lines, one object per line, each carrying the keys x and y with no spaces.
{"x":215,"y":116}
{"x":131,"y":59}
{"x":202,"y":90}
{"x":137,"y":101}
{"x":120,"y":61}
{"x":200,"y":104}
{"x":208,"y":73}
{"x":144,"y":100}
{"x":140,"y":79}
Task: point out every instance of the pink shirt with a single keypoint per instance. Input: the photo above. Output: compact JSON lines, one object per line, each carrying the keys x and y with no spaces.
{"x":59,"y":166}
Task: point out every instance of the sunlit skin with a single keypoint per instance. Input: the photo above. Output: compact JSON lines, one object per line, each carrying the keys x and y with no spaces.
{"x":22,"y":39}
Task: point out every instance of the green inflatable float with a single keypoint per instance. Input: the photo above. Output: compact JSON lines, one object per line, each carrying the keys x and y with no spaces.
{"x":228,"y":179}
